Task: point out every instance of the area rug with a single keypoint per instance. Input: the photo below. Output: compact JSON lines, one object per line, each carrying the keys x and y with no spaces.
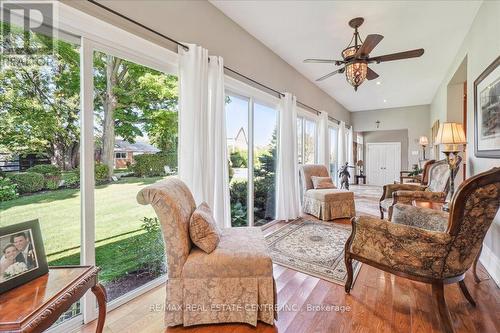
{"x":366,"y":198}
{"x":312,"y":247}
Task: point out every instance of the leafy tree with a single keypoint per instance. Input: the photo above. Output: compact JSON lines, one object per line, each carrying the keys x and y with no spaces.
{"x":40,"y":109}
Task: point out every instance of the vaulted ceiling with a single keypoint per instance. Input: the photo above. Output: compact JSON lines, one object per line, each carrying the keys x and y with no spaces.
{"x":296,"y":30}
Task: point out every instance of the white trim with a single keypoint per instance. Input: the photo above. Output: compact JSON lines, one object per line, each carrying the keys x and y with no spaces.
{"x":113,"y":39}
{"x":87,"y":245}
{"x":250,"y":182}
{"x":491,"y":263}
{"x":242,"y":89}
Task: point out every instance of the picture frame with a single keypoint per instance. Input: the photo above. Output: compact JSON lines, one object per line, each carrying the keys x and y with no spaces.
{"x":487,"y":112}
{"x":22,"y":254}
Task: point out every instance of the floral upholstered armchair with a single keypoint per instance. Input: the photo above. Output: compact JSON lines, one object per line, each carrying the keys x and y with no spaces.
{"x":326,"y":203}
{"x":435,"y":190}
{"x":232,"y":284}
{"x":426,"y":245}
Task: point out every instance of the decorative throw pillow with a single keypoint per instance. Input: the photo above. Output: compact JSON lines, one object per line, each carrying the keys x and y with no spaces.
{"x":203,"y":229}
{"x":322,"y":182}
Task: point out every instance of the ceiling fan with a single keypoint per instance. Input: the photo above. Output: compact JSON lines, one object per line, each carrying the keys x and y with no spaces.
{"x":356,"y":57}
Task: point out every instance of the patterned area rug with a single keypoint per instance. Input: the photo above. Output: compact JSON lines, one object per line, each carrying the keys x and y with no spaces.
{"x":312,"y":247}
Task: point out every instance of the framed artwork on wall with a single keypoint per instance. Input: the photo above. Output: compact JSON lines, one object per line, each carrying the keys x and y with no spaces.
{"x":487,"y":112}
{"x":22,"y":256}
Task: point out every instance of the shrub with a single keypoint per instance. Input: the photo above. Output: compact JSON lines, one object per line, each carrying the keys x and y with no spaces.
{"x":148,"y":249}
{"x":51,"y":175}
{"x":45,"y":169}
{"x":238,"y":159}
{"x":8,"y":190}
{"x":28,"y":182}
{"x":71,"y":178}
{"x":101,"y":173}
{"x":153,"y":165}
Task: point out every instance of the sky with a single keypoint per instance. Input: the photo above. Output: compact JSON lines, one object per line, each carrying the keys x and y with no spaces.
{"x":265,"y":120}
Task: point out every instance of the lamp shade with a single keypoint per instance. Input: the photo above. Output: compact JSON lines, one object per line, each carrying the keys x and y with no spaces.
{"x":450,"y":135}
{"x":423,"y":141}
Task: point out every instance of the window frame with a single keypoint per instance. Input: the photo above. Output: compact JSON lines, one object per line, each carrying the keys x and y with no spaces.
{"x":253,"y":95}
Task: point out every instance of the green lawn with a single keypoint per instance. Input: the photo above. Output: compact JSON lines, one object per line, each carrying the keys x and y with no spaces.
{"x":117,"y":212}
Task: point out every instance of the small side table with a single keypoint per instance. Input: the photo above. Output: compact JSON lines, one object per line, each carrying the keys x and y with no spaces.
{"x":357,"y":177}
{"x":36,"y":305}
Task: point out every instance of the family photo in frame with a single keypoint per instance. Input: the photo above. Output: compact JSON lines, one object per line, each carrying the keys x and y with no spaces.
{"x":22,"y":256}
{"x":487,"y":112}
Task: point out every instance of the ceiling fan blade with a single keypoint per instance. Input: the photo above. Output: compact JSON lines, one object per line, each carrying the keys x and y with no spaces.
{"x":368,"y":45}
{"x":371,"y":75}
{"x":341,"y":70}
{"x":322,"y":61}
{"x":398,"y":56}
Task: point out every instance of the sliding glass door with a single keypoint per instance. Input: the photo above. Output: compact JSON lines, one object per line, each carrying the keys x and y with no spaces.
{"x":333,"y":137}
{"x":39,"y":149}
{"x":237,"y":111}
{"x":135,"y":121}
{"x":307,"y":139}
{"x":251,"y":128}
{"x":264,"y":162}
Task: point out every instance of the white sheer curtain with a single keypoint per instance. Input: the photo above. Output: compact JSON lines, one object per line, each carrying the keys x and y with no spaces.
{"x":287,"y":175}
{"x":324,"y":140}
{"x":202,"y":130}
{"x":342,"y":158}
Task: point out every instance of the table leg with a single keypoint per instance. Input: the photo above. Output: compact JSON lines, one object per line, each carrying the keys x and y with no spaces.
{"x":100,"y":294}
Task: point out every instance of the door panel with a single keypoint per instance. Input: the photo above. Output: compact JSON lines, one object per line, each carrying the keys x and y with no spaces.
{"x":383,"y":162}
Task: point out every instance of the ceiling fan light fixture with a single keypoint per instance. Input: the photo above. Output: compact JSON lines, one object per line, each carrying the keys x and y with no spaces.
{"x":355,"y":73}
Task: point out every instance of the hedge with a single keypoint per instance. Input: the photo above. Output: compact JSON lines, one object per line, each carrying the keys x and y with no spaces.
{"x":28,"y":182}
{"x":153,"y":165}
{"x":8,"y":190}
{"x":51,"y":175}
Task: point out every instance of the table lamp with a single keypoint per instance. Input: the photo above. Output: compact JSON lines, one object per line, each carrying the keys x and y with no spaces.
{"x":451,"y":136}
{"x":423,"y":141}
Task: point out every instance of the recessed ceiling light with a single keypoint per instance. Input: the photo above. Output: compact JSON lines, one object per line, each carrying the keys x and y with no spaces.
{"x":385,"y":101}
{"x":379,"y":83}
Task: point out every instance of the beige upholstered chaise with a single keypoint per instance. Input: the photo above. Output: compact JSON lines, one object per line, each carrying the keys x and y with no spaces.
{"x":325,"y":204}
{"x":232,"y":284}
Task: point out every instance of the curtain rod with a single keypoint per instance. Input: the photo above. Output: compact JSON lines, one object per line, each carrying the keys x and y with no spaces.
{"x":185,"y":47}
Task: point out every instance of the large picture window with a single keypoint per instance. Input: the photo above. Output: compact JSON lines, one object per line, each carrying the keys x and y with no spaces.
{"x":251,"y":128}
{"x":119,"y":122}
{"x":135,"y":121}
{"x":307,"y":137}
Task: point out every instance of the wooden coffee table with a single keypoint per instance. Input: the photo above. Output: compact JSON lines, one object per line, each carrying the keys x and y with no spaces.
{"x":36,"y":305}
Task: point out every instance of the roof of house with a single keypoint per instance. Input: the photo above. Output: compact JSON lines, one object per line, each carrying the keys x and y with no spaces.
{"x":138,"y":146}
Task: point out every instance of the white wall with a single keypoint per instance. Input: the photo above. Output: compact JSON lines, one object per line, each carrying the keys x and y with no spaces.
{"x":481,"y":46}
{"x":202,"y":23}
{"x":413,"y":118}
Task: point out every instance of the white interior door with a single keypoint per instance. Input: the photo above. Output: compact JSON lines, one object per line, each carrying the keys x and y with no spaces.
{"x":383,"y":162}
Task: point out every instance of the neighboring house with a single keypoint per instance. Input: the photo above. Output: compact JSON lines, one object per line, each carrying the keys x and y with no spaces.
{"x":125,"y":152}
{"x":239,"y":142}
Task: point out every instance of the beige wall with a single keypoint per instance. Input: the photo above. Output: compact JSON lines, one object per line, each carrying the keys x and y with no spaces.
{"x":481,"y":46}
{"x":415,"y":119}
{"x":202,"y":23}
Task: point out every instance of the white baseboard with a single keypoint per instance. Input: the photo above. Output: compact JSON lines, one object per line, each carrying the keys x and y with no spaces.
{"x":491,"y":263}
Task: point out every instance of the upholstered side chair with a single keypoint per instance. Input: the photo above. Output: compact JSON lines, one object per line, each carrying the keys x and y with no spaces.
{"x":427,"y":245}
{"x":325,"y":204}
{"x":232,"y":284}
{"x":436,"y":190}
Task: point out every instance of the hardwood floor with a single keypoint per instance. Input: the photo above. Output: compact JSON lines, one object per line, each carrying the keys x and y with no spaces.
{"x":379,"y":302}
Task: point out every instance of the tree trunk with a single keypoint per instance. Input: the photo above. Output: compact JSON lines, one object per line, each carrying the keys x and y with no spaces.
{"x":110,"y":102}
